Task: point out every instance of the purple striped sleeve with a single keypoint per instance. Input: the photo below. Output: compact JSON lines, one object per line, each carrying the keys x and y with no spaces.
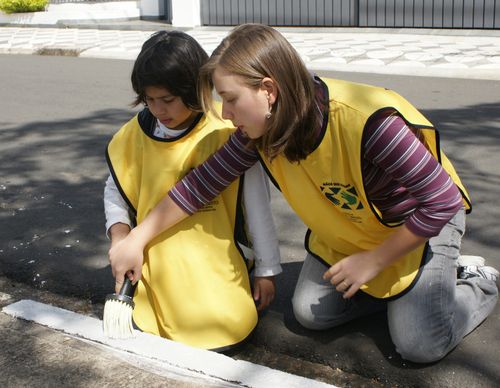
{"x":404,"y":180}
{"x":209,"y":179}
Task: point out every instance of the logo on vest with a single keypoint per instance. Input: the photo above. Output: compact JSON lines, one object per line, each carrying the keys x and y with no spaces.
{"x":343,"y":196}
{"x":209,"y":207}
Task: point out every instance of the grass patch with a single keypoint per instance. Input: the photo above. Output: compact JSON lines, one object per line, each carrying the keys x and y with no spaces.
{"x":18,"y":6}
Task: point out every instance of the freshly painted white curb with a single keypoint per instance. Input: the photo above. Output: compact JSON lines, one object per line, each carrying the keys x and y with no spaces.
{"x":156,"y":348}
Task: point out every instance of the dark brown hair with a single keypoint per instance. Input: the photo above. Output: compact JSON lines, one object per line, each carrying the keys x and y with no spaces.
{"x":253,"y":52}
{"x":172,"y":60}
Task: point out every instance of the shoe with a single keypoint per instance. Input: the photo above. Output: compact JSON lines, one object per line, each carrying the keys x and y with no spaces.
{"x":465,"y":260}
{"x":472,"y":271}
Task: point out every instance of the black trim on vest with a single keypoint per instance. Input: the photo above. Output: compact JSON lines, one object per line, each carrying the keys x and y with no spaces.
{"x":388,"y":299}
{"x":235,"y":346}
{"x":464,"y":197}
{"x":223,"y":349}
{"x":147,"y":122}
{"x":268,"y":172}
{"x":239,"y":225}
{"x":240,"y":235}
{"x":438,"y":152}
{"x":326,"y":116}
{"x":120,"y":189}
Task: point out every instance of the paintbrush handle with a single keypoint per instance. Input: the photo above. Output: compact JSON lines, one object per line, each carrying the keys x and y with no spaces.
{"x":127,"y":288}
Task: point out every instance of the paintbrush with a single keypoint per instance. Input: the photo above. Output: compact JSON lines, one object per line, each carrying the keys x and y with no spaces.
{"x":118,"y":308}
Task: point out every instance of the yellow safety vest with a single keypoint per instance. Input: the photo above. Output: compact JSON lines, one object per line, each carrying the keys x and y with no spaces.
{"x":195,"y":287}
{"x":326,"y":189}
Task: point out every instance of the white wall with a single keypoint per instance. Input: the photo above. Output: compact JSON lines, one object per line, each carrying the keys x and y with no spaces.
{"x":150,"y":8}
{"x":186,"y":13}
{"x":76,"y":12}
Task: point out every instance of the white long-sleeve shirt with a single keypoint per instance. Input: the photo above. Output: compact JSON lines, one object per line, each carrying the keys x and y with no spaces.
{"x":256,"y":199}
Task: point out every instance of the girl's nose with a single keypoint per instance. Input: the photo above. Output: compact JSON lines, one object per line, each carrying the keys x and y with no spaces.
{"x":160,"y":108}
{"x":226,"y":115}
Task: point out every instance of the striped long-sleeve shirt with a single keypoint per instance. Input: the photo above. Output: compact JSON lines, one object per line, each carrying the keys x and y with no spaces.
{"x":402,"y":179}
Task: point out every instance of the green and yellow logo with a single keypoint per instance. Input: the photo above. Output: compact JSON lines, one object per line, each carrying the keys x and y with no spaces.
{"x":344,"y":196}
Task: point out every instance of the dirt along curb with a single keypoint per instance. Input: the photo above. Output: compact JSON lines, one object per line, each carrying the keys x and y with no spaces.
{"x":12,"y":291}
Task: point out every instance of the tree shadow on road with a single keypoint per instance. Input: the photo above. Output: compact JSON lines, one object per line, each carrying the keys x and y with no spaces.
{"x":471,"y":138}
{"x":52,"y":220}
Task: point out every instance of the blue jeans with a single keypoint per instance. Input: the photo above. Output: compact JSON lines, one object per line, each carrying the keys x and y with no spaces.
{"x":426,"y":322}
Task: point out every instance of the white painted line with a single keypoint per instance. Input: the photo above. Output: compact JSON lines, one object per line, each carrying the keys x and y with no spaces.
{"x":152,"y":347}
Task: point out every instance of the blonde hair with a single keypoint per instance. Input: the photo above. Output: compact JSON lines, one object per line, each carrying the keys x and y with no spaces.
{"x":256,"y":51}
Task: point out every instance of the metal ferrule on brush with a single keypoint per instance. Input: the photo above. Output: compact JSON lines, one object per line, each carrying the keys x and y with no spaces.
{"x":121,"y":298}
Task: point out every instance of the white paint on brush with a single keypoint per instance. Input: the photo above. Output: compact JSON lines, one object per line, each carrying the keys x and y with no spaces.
{"x":159,"y":349}
{"x":117,"y":319}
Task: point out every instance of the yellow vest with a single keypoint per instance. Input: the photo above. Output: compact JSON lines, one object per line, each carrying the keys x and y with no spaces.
{"x":195,"y":287}
{"x":326,"y":189}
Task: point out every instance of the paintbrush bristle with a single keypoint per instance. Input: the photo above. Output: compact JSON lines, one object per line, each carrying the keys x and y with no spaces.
{"x":117,"y":319}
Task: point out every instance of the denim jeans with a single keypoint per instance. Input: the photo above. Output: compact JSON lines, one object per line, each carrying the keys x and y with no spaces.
{"x":427,"y":321}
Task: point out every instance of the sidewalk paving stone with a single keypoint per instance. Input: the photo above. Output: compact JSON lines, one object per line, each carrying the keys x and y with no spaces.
{"x":372,"y":52}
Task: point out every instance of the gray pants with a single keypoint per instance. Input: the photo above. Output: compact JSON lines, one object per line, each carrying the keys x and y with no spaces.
{"x":426,"y":322}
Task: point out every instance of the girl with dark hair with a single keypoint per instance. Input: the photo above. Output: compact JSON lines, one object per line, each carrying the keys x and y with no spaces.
{"x":195,"y":286}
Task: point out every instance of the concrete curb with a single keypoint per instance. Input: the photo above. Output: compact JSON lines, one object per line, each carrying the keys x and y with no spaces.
{"x":172,"y":354}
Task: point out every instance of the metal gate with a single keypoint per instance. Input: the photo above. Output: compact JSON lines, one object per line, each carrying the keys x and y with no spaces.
{"x":430,"y":13}
{"x":166,"y":12}
{"x":480,"y":14}
{"x":280,"y":12}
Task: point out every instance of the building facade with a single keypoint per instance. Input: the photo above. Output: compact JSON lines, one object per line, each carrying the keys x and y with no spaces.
{"x":456,"y":14}
{"x":445,"y":14}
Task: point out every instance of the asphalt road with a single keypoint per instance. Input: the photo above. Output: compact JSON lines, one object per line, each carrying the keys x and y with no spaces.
{"x":57,"y":114}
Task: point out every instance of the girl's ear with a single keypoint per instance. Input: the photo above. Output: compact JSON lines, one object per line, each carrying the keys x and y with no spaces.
{"x":269,"y":86}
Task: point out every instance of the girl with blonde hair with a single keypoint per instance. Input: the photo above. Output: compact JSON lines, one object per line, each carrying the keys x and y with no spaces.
{"x":363,"y":169}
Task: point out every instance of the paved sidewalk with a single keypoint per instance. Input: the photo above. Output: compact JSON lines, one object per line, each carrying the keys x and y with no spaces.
{"x":426,"y":53}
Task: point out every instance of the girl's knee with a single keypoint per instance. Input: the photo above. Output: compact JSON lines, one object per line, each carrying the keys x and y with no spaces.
{"x":418,"y":337}
{"x":418,"y":345}
{"x":303,"y":314}
{"x":420,"y":353}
